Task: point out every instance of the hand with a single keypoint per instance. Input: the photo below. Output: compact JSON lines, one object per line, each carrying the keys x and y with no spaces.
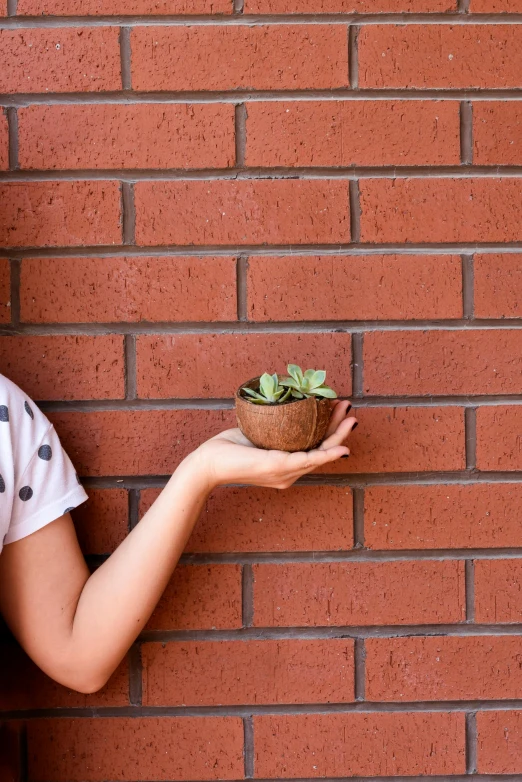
{"x":230,"y":457}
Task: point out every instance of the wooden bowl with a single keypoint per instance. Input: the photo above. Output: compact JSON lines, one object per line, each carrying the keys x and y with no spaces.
{"x":293,"y":426}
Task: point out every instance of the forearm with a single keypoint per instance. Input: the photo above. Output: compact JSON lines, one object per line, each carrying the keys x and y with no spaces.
{"x":118,"y":599}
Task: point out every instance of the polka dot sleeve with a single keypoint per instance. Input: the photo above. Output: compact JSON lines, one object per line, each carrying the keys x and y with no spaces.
{"x":48,"y":488}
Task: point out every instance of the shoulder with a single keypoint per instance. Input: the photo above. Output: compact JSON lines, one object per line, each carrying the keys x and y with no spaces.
{"x":25,"y":422}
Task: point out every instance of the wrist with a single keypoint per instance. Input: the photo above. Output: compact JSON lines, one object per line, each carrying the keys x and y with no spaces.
{"x":194,"y":473}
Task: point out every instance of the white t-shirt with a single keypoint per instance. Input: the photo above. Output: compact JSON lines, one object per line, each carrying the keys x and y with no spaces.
{"x":38,"y":483}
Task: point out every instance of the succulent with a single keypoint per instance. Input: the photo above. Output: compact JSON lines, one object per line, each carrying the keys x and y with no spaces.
{"x":309,"y":383}
{"x":299,"y":385}
{"x":270,"y":391}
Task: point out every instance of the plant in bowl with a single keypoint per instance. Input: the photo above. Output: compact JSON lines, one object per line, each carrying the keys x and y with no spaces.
{"x":288,"y":414}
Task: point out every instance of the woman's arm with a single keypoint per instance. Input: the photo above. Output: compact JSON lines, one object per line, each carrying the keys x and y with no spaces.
{"x":78,"y":628}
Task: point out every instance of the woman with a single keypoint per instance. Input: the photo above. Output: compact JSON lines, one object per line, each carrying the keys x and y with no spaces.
{"x":77,"y":627}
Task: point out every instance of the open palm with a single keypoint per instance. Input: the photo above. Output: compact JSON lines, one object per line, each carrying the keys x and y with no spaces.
{"x":230,"y":457}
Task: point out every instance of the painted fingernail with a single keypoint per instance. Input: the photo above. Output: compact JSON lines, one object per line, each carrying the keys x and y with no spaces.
{"x":356,"y":424}
{"x":345,"y":455}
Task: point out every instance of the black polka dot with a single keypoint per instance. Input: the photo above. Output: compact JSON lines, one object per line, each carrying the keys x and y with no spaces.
{"x":2,"y":485}
{"x":68,"y":510}
{"x":45,"y":452}
{"x":25,"y":493}
{"x":4,"y":413}
{"x":28,"y":410}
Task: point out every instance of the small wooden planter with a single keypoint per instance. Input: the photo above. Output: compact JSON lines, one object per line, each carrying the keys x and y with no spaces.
{"x":299,"y":425}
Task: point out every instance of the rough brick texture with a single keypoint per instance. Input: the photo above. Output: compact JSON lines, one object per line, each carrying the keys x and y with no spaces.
{"x":193,"y":192}
{"x":286,"y":57}
{"x":70,"y":750}
{"x":257,"y":212}
{"x":340,"y":745}
{"x":219,"y":673}
{"x":385,"y":287}
{"x":108,"y":290}
{"x":428,"y":669}
{"x":372,"y":133}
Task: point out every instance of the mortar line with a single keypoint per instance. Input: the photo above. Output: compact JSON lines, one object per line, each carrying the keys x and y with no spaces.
{"x":125,"y":58}
{"x":240,"y":117}
{"x":128,"y":212}
{"x":463,"y":6}
{"x":133,"y":508}
{"x":12,"y":7}
{"x":238,"y":7}
{"x":15,"y":270}
{"x":470,"y":425}
{"x":354,"y":200}
{"x":241,"y":288}
{"x":454,"y":18}
{"x":247,"y":592}
{"x":135,"y":675}
{"x":248,"y":710}
{"x":130,"y":367}
{"x":256,"y":174}
{"x":23,"y":754}
{"x":248,"y":739}
{"x":358,"y":518}
{"x":357,"y":366}
{"x":469,"y":577}
{"x":466,"y":132}
{"x":13,"y":143}
{"x":353,"y":56}
{"x":233,"y":96}
{"x":282,"y":250}
{"x":359,"y":669}
{"x":468,"y":286}
{"x":472,"y":744}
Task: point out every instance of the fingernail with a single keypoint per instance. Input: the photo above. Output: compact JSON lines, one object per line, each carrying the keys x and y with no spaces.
{"x":356,"y":424}
{"x":345,"y":455}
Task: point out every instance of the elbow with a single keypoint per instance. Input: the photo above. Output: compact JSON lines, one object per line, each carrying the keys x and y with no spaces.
{"x":83,"y":679}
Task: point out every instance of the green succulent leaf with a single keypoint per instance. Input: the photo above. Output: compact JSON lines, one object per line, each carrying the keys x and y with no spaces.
{"x":309,"y":373}
{"x":261,"y":401}
{"x":297,"y":394}
{"x":267,"y":385}
{"x":329,"y":393}
{"x":285,"y":395}
{"x":249,"y":392}
{"x":295,"y":372}
{"x":318,"y":378}
{"x":289,"y":382}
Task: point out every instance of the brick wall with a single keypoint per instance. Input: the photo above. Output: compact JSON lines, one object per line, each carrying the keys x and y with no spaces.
{"x":200,"y":187}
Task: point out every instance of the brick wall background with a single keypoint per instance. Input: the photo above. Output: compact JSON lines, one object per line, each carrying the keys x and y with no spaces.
{"x":196,"y":192}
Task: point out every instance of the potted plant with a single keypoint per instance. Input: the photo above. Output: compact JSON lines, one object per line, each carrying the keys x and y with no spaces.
{"x":288,"y":414}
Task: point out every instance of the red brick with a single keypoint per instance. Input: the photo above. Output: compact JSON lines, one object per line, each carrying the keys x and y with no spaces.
{"x":65,"y":367}
{"x":185,"y":365}
{"x":136,"y":442}
{"x":11,"y":751}
{"x":102,"y":522}
{"x":200,"y":597}
{"x":260,"y":57}
{"x":497,"y":133}
{"x":499,"y":742}
{"x":4,"y":142}
{"x":367,"y":287}
{"x":5,"y":291}
{"x":452,"y":516}
{"x":242,"y":212}
{"x":303,"y":518}
{"x":137,"y":748}
{"x":457,"y":56}
{"x":60,"y":60}
{"x":50,"y":214}
{"x":495,"y":6}
{"x":443,"y":669}
{"x":108,"y":290}
{"x":346,"y":745}
{"x":341,"y":593}
{"x":231,"y":673}
{"x":122,"y":7}
{"x":404,"y":439}
{"x":24,"y":686}
{"x":127,"y":136}
{"x":436,"y":362}
{"x":499,"y":445}
{"x":498,"y":286}
{"x":340,"y":6}
{"x":498,"y":590}
{"x":352,"y":133}
{"x":440,"y":210}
